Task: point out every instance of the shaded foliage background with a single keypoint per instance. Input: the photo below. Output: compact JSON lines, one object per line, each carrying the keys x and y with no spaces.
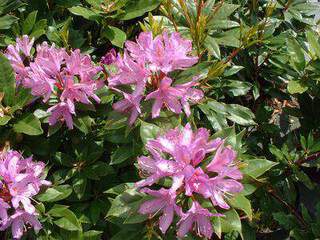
{"x":260,"y":70}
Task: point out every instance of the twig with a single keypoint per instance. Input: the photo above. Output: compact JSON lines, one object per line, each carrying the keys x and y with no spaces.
{"x":288,"y":206}
{"x":312,"y":157}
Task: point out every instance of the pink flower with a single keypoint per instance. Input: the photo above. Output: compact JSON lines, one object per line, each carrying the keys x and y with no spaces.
{"x":142,"y":49}
{"x":55,"y":73}
{"x":156,"y":169}
{"x":110,"y":57}
{"x":18,"y":221}
{"x":78,"y":92}
{"x":185,"y":145}
{"x":185,"y":150}
{"x":39,"y":82}
{"x":163,"y":53}
{"x":3,"y":211}
{"x":164,"y":201}
{"x":165,"y":95}
{"x":129,"y":72}
{"x":62,"y":111}
{"x":24,"y":44}
{"x":50,"y":59}
{"x":200,"y":218}
{"x":130,"y":103}
{"x":223,"y":163}
{"x":13,"y":55}
{"x":171,"y":53}
{"x":21,"y":180}
{"x":145,"y":66}
{"x":190,"y":94}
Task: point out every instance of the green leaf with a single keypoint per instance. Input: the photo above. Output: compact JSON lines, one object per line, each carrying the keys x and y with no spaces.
{"x":296,"y":54}
{"x":7,"y":21}
{"x":231,"y":222}
{"x":79,"y":185}
{"x":242,"y":203}
{"x":217,"y":120}
{"x":69,"y":221}
{"x":97,"y":170}
{"x":7,"y":80}
{"x":57,"y":210}
{"x":240,"y":114}
{"x":135,"y":218}
{"x":29,"y":125}
{"x":121,"y":154}
{"x":125,"y":204}
{"x":257,"y":167}
{"x":83,"y":123}
{"x":63,"y":159}
{"x":296,"y":87}
{"x":236,"y":88}
{"x":314,"y":42}
{"x":116,"y":36}
{"x":148,"y":131}
{"x":117,"y":190}
{"x":29,"y":22}
{"x":23,"y":97}
{"x":39,"y":29}
{"x":212,"y":47}
{"x":4,"y":120}
{"x":139,"y":7}
{"x":225,"y":11}
{"x":92,"y":235}
{"x":55,"y":194}
{"x":233,"y":70}
{"x":84,"y":12}
{"x":222,"y":24}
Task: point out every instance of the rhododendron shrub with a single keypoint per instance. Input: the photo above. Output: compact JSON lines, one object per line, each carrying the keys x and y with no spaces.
{"x":52,"y":73}
{"x":159,"y":119}
{"x":187,"y":158}
{"x":20,"y":180}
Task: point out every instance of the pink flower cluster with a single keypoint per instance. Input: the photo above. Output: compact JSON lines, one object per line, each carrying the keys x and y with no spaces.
{"x":144,"y":69}
{"x":20,"y":180}
{"x":182,"y":155}
{"x":55,"y":73}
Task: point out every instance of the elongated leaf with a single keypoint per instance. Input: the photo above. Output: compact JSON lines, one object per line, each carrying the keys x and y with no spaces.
{"x":7,"y":80}
{"x":212,"y":46}
{"x":7,"y":21}
{"x":137,"y":8}
{"x":231,"y":221}
{"x":296,"y":54}
{"x":29,"y":22}
{"x":29,"y":125}
{"x":121,"y":155}
{"x":148,"y":131}
{"x":313,"y":40}
{"x":257,"y":167}
{"x":55,"y":194}
{"x":84,"y":12}
{"x":69,"y":221}
{"x":116,"y":36}
{"x":242,"y":203}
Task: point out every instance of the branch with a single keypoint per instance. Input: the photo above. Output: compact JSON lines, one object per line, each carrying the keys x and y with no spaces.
{"x":287,"y":205}
{"x":312,"y":157}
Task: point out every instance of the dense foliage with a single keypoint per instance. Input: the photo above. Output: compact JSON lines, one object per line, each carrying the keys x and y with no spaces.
{"x":159,"y":119}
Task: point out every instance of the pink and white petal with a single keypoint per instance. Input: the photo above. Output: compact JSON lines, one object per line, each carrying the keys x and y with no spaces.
{"x":156,"y":108}
{"x":151,"y":206}
{"x":166,"y":219}
{"x":17,"y":228}
{"x":185,"y":226}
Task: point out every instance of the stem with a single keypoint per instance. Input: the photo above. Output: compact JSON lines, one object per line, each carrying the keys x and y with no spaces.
{"x":273,"y":193}
{"x":312,"y":157}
